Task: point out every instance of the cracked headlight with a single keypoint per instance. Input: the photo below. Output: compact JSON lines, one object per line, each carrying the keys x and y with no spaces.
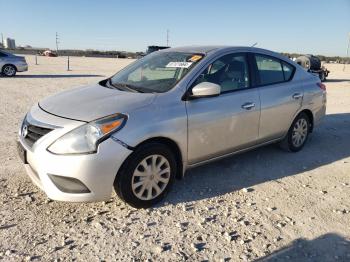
{"x":86,"y":138}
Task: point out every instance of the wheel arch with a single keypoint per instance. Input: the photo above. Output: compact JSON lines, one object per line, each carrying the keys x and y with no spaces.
{"x":174,"y":148}
{"x":310,"y":115}
{"x":170,"y":143}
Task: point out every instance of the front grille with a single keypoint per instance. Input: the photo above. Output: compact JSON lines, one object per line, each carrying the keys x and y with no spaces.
{"x":32,"y":133}
{"x":35,"y":133}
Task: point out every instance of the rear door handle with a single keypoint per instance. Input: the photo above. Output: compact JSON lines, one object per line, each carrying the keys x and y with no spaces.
{"x":296,"y":96}
{"x":248,"y":105}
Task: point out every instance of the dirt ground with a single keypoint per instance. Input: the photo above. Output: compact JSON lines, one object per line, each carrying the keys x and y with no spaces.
{"x":265,"y":204}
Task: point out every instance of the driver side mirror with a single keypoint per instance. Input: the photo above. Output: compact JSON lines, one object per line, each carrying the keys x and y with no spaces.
{"x":205,"y":89}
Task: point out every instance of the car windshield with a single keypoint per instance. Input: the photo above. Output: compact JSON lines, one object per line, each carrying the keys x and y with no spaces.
{"x":155,"y":73}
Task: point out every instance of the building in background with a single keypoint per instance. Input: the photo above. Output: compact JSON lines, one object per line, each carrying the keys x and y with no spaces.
{"x":10,"y":43}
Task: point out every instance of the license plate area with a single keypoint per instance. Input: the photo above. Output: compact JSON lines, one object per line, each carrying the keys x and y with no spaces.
{"x":22,"y":152}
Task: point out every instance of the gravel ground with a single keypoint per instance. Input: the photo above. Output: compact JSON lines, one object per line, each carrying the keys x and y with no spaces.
{"x":265,"y":204}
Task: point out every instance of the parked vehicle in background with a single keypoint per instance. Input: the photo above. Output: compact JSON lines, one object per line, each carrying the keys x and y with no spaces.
{"x":49,"y":53}
{"x":165,"y":113}
{"x":11,"y":64}
{"x":313,"y":65}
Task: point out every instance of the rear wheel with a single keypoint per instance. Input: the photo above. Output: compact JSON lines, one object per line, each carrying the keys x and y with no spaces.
{"x":297,"y":134}
{"x":146,"y":176}
{"x":9,"y":70}
{"x":322,"y":76}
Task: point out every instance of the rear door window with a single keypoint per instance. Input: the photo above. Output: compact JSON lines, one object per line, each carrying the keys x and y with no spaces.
{"x":2,"y":54}
{"x":269,"y":69}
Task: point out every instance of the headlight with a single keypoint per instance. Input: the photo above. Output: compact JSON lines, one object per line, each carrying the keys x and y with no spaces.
{"x":85,"y":139}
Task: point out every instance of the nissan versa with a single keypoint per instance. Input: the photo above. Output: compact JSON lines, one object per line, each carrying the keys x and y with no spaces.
{"x":171,"y":110}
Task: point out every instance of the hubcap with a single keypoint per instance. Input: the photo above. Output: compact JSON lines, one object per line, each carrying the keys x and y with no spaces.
{"x":299,"y":132}
{"x":150,"y":177}
{"x":9,"y":70}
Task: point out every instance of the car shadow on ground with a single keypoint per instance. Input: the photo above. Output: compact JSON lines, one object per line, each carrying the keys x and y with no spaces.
{"x":57,"y":76}
{"x":336,"y":80}
{"x":328,"y":247}
{"x":328,"y":143}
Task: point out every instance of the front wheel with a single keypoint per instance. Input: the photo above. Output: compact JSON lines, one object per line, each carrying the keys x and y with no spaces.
{"x":146,"y":176}
{"x":9,"y":70}
{"x":297,"y":134}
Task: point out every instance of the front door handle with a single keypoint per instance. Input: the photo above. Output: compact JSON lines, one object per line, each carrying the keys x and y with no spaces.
{"x":248,"y":105}
{"x":296,"y":96}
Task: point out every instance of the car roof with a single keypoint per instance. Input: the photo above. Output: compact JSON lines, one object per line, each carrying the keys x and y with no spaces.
{"x":206,"y":49}
{"x":194,"y":49}
{"x":210,"y":48}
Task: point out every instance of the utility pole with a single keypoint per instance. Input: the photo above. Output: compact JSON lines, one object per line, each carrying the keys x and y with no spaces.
{"x":347,"y":51}
{"x":2,"y":40}
{"x":57,"y":42}
{"x":167,"y":37}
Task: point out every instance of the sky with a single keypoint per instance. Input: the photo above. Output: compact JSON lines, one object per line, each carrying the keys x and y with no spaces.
{"x":300,"y":26}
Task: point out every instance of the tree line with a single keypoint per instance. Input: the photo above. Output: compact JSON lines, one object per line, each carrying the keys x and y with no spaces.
{"x":327,"y":59}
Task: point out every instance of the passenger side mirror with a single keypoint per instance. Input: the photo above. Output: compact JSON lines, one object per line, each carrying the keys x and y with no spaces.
{"x":205,"y":89}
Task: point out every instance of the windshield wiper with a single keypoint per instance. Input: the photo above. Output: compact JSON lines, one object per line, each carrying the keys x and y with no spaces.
{"x":131,"y":88}
{"x":122,"y":86}
{"x":128,"y":87}
{"x":110,"y":85}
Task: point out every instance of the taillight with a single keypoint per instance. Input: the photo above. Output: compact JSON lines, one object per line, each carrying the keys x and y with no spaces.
{"x":322,"y":86}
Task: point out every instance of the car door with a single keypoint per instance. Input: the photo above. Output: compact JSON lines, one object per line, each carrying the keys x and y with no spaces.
{"x":280,"y":97}
{"x":228,"y":122}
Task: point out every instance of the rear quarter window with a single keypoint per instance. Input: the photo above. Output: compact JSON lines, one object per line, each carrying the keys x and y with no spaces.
{"x":288,"y":71}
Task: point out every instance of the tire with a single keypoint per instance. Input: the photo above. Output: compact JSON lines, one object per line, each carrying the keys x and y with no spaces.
{"x":291,"y":142}
{"x":133,"y":182}
{"x":309,"y":62}
{"x":9,"y":70}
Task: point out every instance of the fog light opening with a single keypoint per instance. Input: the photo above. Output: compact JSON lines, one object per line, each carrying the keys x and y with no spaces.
{"x":69,"y":184}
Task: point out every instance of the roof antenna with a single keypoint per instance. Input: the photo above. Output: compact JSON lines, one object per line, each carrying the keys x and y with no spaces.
{"x":254,"y":44}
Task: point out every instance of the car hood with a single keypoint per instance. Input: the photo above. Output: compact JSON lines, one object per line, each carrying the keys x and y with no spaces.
{"x":15,"y":57}
{"x":92,"y":102}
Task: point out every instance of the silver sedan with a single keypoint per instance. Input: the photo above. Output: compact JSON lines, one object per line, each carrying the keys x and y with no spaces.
{"x":170,"y":111}
{"x":11,"y":64}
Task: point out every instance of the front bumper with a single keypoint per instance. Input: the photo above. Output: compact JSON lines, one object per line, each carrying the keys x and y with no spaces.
{"x":96,"y":171}
{"x":22,"y":67}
